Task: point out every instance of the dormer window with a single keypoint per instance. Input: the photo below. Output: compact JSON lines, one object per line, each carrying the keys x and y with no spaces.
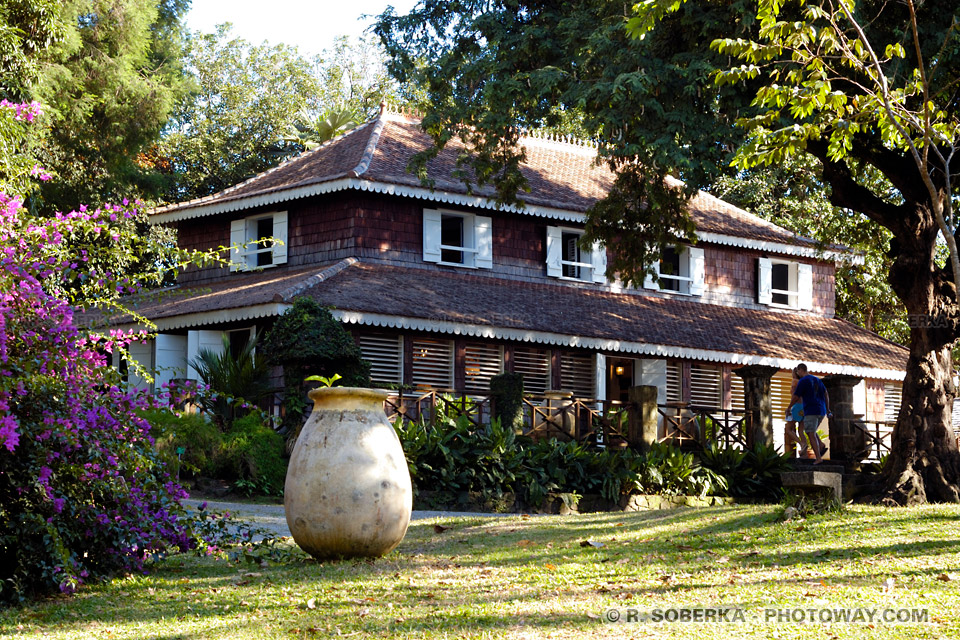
{"x":567,"y":260}
{"x":680,"y":270}
{"x":254,"y":243}
{"x":457,"y":239}
{"x":784,"y":283}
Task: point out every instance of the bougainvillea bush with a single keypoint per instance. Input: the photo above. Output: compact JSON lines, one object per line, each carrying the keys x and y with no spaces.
{"x":82,"y":493}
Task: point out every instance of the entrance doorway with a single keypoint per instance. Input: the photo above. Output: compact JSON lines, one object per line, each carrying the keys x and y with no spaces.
{"x":619,"y":378}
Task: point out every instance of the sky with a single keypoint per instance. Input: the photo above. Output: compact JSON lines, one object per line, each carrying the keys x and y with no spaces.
{"x":310,"y":25}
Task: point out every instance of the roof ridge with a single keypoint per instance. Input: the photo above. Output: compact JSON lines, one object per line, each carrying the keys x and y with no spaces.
{"x":287,"y":294}
{"x":539,"y":135}
{"x":372,"y":142}
{"x":262,"y":174}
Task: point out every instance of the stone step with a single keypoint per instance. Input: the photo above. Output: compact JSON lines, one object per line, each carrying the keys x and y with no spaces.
{"x":814,"y":478}
{"x":826,"y":466}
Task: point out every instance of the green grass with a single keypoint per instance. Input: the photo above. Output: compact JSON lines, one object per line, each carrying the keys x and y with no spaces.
{"x":529,"y":577}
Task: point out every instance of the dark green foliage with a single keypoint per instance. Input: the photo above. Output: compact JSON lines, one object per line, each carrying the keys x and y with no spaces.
{"x":307,"y":340}
{"x":506,"y":391}
{"x":111,"y":84}
{"x":252,"y":455}
{"x":237,"y":381}
{"x":752,"y":473}
{"x":455,"y":456}
{"x":199,"y":438}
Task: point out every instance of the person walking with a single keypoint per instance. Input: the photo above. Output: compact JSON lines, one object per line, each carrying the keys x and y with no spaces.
{"x":816,"y":405}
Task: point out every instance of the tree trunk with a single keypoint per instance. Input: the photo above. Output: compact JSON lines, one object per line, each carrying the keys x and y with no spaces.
{"x":924,"y":464}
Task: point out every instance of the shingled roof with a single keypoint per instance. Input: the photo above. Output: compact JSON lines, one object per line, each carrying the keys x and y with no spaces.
{"x":563,"y":179}
{"x":428,"y":299}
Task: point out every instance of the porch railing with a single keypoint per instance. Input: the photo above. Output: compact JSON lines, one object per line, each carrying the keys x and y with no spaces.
{"x":602,"y":422}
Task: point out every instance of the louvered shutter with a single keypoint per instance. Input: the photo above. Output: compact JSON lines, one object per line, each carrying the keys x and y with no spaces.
{"x":431,"y":235}
{"x":481,"y":363}
{"x":705,"y":386}
{"x":805,"y":286}
{"x":892,"y":397}
{"x":534,"y":365}
{"x":483,"y":235}
{"x":598,"y":258}
{"x":432,"y":366}
{"x":697,"y":270}
{"x":780,"y":395}
{"x":576,"y":374}
{"x":738,"y":401}
{"x":674,"y":382}
{"x":764,"y":281}
{"x":649,"y":282}
{"x":385,"y":355}
{"x":554,"y":252}
{"x":238,"y":237}
{"x":280,"y":234}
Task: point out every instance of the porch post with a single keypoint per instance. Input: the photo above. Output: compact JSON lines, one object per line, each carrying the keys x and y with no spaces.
{"x":642,"y":431}
{"x":847,"y":442}
{"x":756,"y":397}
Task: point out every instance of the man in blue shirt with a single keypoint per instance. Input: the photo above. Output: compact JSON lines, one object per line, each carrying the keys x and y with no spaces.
{"x":816,"y":404}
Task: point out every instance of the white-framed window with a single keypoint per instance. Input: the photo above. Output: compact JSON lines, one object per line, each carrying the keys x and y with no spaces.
{"x":784,"y":283}
{"x":566,"y":259}
{"x":457,"y":239}
{"x":252,"y":247}
{"x":680,"y":270}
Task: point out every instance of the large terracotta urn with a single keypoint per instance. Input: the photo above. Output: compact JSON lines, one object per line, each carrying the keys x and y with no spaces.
{"x":348,"y":490}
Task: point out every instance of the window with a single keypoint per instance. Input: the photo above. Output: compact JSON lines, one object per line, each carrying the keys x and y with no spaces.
{"x":680,"y":270}
{"x":481,"y":362}
{"x":578,"y":374}
{"x":252,"y":247}
{"x":784,"y":283}
{"x":892,"y":396}
{"x":705,"y":386}
{"x":432,"y":366}
{"x":385,"y":355}
{"x":534,"y":365}
{"x":674,"y":381}
{"x":457,"y":239}
{"x":567,"y":259}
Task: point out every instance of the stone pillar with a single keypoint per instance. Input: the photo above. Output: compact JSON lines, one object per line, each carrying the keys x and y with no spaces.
{"x":847,"y":441}
{"x":756,"y":396}
{"x":642,"y":430}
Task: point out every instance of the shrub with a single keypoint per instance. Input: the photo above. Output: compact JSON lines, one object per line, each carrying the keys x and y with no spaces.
{"x":200,"y":439}
{"x":234,"y":382}
{"x":750,"y":473}
{"x":252,"y":455}
{"x":83,"y":492}
{"x":307,"y":340}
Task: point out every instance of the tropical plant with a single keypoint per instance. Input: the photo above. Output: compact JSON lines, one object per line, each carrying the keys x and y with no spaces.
{"x":237,"y":381}
{"x":311,"y":133}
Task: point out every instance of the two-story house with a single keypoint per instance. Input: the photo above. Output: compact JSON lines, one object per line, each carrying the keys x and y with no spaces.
{"x":443,"y":288}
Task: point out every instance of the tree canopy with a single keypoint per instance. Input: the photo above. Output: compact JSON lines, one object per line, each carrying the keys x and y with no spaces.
{"x":653,"y":105}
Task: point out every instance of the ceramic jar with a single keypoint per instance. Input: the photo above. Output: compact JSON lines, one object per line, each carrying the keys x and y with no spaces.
{"x":348,"y":491}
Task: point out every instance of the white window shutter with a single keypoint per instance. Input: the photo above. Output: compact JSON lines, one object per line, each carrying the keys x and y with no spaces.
{"x":697,"y":270}
{"x":554,"y":252}
{"x":764,"y":281}
{"x":649,"y":282}
{"x":483,"y":235}
{"x":805,"y":286}
{"x":238,"y":238}
{"x":431,"y":235}
{"x":170,"y":359}
{"x":598,"y":258}
{"x":280,"y":234}
{"x":196,"y":342}
{"x":601,"y":382}
{"x":142,"y":354}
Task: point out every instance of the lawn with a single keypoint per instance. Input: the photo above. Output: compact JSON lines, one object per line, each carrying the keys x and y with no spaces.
{"x":553,"y":577}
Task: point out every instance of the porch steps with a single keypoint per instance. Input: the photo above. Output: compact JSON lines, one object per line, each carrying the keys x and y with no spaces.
{"x":842,"y":482}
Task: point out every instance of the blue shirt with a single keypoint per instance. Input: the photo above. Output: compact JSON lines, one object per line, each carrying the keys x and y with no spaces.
{"x":814,"y":395}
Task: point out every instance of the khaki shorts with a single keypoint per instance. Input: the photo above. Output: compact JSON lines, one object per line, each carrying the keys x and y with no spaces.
{"x":810,"y":423}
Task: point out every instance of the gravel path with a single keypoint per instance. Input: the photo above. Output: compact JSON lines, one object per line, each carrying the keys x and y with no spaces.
{"x":272,"y":518}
